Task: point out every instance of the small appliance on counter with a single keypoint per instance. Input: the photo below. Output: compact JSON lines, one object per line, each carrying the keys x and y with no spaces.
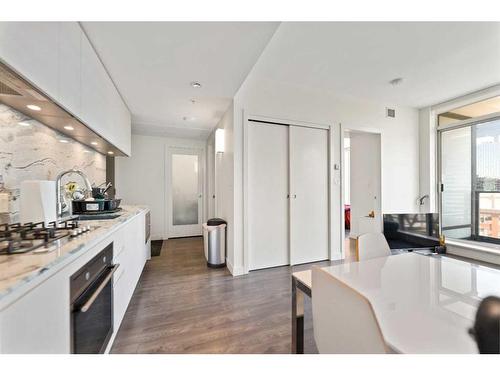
{"x":97,"y":205}
{"x":37,"y":201}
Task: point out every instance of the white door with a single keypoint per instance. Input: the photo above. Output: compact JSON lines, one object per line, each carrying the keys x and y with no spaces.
{"x":308,"y":194}
{"x":186,"y":205}
{"x":365,"y":183}
{"x":267,"y":195}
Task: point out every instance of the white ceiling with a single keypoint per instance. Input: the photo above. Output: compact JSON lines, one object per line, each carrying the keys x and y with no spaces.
{"x":438,"y":61}
{"x":153,"y":63}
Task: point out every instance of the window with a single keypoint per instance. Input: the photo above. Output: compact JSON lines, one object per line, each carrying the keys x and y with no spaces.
{"x":470,"y":177}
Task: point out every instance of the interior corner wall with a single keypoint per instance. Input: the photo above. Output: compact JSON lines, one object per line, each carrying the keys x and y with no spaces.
{"x":427,"y":159}
{"x":399,"y":138}
{"x":142,"y":179}
{"x":223,"y":174}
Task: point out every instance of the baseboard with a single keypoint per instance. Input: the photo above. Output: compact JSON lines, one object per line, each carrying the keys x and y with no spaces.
{"x":238,"y":271}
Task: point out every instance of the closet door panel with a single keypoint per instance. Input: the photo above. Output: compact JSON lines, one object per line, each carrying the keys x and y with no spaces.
{"x":267,"y":195}
{"x":308,"y":195}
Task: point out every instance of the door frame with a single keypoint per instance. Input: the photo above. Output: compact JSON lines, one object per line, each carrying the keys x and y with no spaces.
{"x":343,"y":130}
{"x":170,"y":150}
{"x":332,"y":178}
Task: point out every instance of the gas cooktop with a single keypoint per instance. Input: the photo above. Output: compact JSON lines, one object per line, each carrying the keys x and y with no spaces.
{"x":37,"y":237}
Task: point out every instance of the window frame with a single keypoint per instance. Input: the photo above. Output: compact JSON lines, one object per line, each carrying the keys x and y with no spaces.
{"x":474,"y":226}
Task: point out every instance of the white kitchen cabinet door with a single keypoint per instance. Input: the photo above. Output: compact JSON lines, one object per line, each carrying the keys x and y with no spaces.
{"x":39,"y":322}
{"x":70,"y":69}
{"x":308,"y":195}
{"x":31,"y":49}
{"x":94,"y":94}
{"x":121,"y":124}
{"x":267,"y":195}
{"x":129,"y":252}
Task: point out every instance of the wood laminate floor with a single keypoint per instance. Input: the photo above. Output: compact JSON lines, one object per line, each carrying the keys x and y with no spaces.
{"x":181,"y":306}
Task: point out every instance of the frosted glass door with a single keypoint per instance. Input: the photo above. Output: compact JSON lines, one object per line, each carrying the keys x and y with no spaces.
{"x":185,"y":194}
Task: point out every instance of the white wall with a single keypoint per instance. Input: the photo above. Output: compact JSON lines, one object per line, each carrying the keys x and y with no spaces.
{"x":427,"y":163}
{"x":143,"y":177}
{"x":346,"y":168}
{"x":399,"y":139}
{"x":223,"y":171}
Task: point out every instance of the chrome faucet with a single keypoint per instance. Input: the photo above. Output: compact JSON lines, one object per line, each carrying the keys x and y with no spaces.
{"x":60,"y":204}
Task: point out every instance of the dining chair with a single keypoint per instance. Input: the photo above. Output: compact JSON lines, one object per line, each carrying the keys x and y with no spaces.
{"x":371,"y":245}
{"x":344,"y":321}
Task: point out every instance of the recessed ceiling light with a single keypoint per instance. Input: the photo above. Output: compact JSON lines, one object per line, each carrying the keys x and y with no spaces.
{"x":111,"y":153}
{"x":94,"y":143}
{"x":63,"y":141}
{"x":23,"y":123}
{"x":69,"y":127}
{"x":195,"y":85}
{"x":396,"y":81}
{"x":34,"y":107}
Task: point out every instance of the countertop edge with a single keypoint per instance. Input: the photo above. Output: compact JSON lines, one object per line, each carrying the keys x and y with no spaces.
{"x":13,"y":293}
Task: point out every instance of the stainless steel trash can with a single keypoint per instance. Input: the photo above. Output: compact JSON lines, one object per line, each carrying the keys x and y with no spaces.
{"x":214,"y":239}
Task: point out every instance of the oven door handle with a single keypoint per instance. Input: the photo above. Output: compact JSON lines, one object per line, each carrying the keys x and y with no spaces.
{"x":98,"y":291}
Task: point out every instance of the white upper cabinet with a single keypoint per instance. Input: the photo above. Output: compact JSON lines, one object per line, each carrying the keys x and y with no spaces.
{"x":31,"y":48}
{"x":69,"y":92}
{"x":94,"y":91}
{"x":58,"y":58}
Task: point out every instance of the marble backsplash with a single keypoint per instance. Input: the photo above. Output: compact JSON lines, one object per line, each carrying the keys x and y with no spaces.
{"x":30,"y":150}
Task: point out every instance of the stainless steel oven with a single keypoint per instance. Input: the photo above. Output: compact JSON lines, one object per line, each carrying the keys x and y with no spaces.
{"x":91,"y":291}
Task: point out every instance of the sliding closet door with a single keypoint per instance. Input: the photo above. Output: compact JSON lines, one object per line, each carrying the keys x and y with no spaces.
{"x":267,"y":195}
{"x":308,"y":194}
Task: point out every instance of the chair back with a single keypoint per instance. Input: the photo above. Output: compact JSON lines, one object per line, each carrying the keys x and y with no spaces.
{"x":343,"y":319}
{"x":371,"y":245}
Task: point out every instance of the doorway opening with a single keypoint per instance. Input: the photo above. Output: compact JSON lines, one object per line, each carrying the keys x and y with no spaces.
{"x":361,"y":193}
{"x":186,"y":186}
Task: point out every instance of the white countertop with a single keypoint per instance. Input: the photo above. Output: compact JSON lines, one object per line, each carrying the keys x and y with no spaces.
{"x":424,"y":304}
{"x":21,"y":272}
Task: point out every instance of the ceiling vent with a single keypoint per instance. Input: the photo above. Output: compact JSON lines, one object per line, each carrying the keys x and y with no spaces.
{"x":390,"y":112}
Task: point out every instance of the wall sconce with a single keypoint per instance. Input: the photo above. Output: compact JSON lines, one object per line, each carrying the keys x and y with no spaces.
{"x":219,"y":141}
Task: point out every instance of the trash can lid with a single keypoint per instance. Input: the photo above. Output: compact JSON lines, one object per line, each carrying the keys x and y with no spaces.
{"x":216,"y":221}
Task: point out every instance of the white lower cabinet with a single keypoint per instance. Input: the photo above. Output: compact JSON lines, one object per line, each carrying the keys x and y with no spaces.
{"x":39,"y":321}
{"x":131,"y":260}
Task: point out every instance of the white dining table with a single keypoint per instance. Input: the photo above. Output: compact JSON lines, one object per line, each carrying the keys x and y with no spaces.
{"x":424,"y":304}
